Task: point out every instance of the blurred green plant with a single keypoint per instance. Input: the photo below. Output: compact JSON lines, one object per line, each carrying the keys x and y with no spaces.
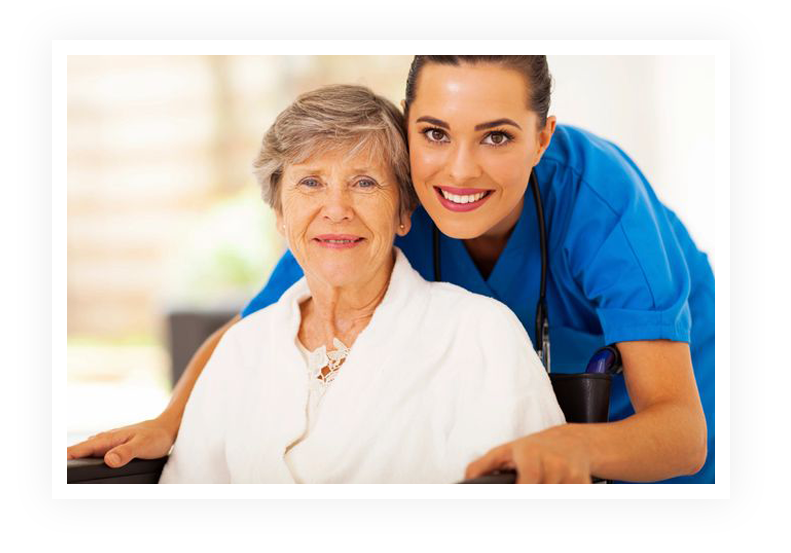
{"x":230,"y":251}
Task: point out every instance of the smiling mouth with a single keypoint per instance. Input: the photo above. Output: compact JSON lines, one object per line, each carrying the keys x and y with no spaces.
{"x":339,"y":241}
{"x":471,"y":196}
{"x":462,"y":199}
{"x":336,"y":241}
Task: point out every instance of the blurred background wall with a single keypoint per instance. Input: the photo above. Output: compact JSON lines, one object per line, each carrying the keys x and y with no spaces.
{"x":164,"y":215}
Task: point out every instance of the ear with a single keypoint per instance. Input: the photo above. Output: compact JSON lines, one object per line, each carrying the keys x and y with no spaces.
{"x":406,"y":220}
{"x":545,"y":137}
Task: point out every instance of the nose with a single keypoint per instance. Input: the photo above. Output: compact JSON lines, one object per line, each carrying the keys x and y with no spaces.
{"x":462,"y":165}
{"x":338,"y":205}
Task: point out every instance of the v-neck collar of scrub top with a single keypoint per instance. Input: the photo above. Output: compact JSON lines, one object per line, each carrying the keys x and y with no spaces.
{"x":522,"y":251}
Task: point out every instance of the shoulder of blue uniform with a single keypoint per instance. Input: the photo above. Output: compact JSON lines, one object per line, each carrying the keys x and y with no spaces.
{"x":418,"y":244}
{"x":284,"y":275}
{"x":597,"y":165}
{"x":421,"y":225}
{"x":295,"y":272}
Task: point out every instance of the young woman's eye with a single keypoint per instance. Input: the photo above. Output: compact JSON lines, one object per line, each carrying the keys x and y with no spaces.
{"x":497,"y":138}
{"x":434,"y":134}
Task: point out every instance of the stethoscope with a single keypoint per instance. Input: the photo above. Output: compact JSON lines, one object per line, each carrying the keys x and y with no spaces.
{"x":606,"y":359}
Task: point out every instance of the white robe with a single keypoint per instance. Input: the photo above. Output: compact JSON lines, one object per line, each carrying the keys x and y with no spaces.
{"x":438,"y":377}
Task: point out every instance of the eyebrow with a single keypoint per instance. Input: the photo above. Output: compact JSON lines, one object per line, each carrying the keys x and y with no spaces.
{"x":479,"y":127}
{"x":319,"y":171}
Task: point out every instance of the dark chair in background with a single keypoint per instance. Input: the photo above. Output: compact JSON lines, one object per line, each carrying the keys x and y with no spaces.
{"x":187,"y":330}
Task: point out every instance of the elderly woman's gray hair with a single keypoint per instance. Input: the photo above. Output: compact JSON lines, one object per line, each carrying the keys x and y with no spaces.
{"x":326,"y":119}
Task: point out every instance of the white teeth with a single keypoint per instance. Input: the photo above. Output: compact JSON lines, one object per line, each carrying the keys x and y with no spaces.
{"x":462,"y":199}
{"x":339,"y":241}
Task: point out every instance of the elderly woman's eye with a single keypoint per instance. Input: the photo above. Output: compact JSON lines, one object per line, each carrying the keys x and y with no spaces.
{"x":366,"y":183}
{"x":310,"y":183}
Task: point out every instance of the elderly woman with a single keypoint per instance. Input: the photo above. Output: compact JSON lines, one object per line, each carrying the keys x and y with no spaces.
{"x":362,"y":371}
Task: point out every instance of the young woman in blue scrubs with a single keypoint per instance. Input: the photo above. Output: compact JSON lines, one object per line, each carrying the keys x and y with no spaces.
{"x":622,"y":270}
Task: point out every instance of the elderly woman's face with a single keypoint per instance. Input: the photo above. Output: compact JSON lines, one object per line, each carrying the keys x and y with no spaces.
{"x":340,"y":216}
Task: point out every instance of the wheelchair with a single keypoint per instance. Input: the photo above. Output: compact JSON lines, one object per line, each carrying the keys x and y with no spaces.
{"x":583,"y":398}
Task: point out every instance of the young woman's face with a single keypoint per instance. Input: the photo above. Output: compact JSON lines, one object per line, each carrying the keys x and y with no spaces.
{"x":472,"y":144}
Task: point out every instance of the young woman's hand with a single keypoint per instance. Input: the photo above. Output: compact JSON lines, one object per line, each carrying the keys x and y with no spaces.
{"x":149,"y":439}
{"x":553,"y":456}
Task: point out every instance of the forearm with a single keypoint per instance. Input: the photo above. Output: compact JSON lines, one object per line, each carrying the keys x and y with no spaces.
{"x":173,"y":413}
{"x":662,"y":441}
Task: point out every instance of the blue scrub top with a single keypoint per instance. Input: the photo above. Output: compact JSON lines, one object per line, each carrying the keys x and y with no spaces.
{"x":622,"y":267}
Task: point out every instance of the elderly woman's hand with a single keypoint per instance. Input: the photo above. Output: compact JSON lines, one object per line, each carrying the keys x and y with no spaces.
{"x":556,"y":455}
{"x":149,"y":439}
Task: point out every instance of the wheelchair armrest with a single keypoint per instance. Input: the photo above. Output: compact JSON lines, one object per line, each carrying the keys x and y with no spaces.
{"x":583,"y":398}
{"x":95,"y":471}
{"x":500,"y":477}
{"x":508,"y":477}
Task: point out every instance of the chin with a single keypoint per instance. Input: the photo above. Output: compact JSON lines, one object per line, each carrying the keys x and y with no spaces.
{"x":459,"y":229}
{"x":338,"y":276}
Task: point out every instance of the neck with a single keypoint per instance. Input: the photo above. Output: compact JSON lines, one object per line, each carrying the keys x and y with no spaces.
{"x":341,"y":311}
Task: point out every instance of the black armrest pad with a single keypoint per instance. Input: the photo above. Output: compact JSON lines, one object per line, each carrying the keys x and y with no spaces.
{"x":95,"y":471}
{"x":505,"y":477}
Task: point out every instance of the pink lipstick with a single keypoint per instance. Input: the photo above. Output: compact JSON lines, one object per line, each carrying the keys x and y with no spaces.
{"x":462,"y":199}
